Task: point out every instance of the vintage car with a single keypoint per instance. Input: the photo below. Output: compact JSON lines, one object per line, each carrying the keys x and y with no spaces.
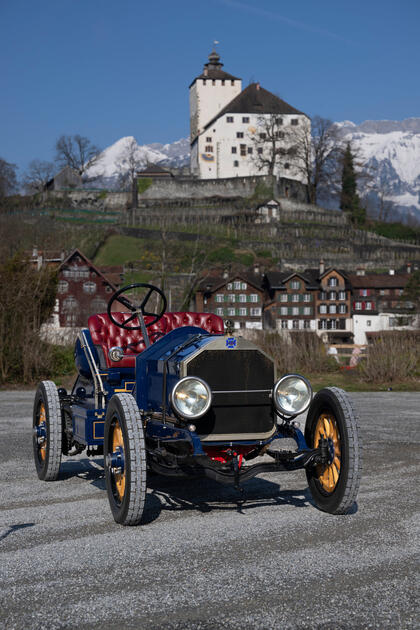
{"x":176,"y":394}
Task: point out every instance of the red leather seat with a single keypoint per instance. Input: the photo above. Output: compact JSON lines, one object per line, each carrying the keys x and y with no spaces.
{"x":105,"y":334}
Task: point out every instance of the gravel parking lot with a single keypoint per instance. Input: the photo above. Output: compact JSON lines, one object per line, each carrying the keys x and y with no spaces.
{"x":202,"y":560}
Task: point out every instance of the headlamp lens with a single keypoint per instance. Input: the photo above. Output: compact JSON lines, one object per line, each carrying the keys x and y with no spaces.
{"x":191,"y":397}
{"x":292,"y":395}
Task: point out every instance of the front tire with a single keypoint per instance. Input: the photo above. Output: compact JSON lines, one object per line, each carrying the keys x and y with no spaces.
{"x":334,"y":486}
{"x":47,"y":431}
{"x":125,"y":460}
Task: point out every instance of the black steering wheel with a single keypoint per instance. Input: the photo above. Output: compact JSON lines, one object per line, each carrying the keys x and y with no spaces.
{"x":137,"y":310}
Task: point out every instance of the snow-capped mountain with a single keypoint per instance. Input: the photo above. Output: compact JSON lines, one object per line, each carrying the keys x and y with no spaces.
{"x":115,"y":161}
{"x":389,"y":149}
{"x":390,"y":152}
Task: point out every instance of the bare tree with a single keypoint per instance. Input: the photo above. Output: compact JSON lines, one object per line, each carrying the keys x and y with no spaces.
{"x":38,"y":175}
{"x":318,"y":153}
{"x":129,"y":162}
{"x":272,"y":144}
{"x":8,"y":179}
{"x":76,"y":151}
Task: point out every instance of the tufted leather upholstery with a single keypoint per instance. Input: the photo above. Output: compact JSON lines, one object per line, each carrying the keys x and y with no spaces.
{"x":105,"y":334}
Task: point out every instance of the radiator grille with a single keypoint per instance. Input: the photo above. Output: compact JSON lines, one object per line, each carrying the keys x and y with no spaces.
{"x":235,"y":411}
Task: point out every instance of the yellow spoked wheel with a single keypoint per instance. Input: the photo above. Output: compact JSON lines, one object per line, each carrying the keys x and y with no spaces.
{"x":47,"y":431}
{"x":118,"y":472}
{"x":334,"y":484}
{"x":125,"y":459}
{"x":328,"y":474}
{"x":42,"y":440}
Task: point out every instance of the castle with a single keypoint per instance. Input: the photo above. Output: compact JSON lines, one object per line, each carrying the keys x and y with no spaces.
{"x":241,"y":133}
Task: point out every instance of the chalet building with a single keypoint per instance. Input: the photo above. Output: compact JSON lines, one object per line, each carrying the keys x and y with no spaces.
{"x":228,"y":126}
{"x":83,"y":289}
{"x":378,"y":303}
{"x":315,"y":299}
{"x":292,"y":300}
{"x":235,"y":296}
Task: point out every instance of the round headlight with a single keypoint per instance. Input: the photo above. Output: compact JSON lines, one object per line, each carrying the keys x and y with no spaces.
{"x":116,"y":353}
{"x":292,"y":395}
{"x":191,"y":397}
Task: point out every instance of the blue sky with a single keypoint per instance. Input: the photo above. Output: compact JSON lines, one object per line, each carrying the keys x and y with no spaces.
{"x":110,"y":69}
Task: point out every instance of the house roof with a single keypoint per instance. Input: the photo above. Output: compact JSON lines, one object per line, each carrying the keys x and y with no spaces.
{"x":77,"y":252}
{"x":256,"y":100}
{"x":312,"y":277}
{"x":213,"y":282}
{"x":154,"y":169}
{"x":379,"y":281}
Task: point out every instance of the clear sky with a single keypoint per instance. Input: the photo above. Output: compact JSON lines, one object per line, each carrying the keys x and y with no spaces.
{"x":108,"y":69}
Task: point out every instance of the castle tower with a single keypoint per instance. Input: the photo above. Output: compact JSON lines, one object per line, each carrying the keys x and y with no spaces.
{"x":209,"y":93}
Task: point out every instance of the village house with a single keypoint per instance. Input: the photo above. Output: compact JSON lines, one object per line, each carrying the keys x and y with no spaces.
{"x":235,"y":296}
{"x":378,"y":302}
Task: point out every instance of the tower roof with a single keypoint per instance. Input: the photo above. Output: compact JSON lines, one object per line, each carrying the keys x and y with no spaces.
{"x":256,"y":100}
{"x":213,"y":69}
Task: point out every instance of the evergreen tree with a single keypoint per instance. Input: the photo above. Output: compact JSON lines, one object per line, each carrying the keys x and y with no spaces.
{"x":349,"y":199}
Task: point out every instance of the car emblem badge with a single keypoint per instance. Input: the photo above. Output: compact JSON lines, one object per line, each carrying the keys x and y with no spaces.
{"x":231,"y":342}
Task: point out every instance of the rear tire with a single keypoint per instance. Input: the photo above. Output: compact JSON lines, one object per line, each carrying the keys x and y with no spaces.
{"x":126,"y":483}
{"x":334,"y":486}
{"x":47,"y":431}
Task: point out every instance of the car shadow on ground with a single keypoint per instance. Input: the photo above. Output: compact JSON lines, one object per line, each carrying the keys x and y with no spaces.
{"x":205,"y":495}
{"x":166,"y":494}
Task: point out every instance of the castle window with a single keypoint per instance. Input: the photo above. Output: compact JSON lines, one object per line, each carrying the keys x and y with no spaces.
{"x":242,"y":297}
{"x":220,"y":297}
{"x":358,"y":306}
{"x":283,"y":297}
{"x":332,"y":295}
{"x":231,"y":312}
{"x":229,"y":286}
{"x":368,"y":306}
{"x":294,"y":122}
{"x":244,"y":286}
{"x":229,"y":119}
{"x":295,"y":310}
{"x":236,"y":163}
{"x":231,"y":297}
{"x":287,"y":165}
{"x":250,"y":150}
{"x":307,"y":310}
{"x":208,"y":139}
{"x":259,"y":150}
{"x":243,"y":311}
{"x":283,"y":310}
{"x":306,"y":297}
{"x":306,"y":323}
{"x":233,"y":149}
{"x":323,"y":308}
{"x":295,"y":297}
{"x":332,"y":308}
{"x":255,"y":312}
{"x":295,"y":324}
{"x":342,"y":308}
{"x":341,"y":295}
{"x":208,"y":149}
{"x":243,"y":149}
{"x":284,"y":323}
{"x":295,"y":284}
{"x":245,"y":119}
{"x":239,"y":134}
{"x":220,"y":311}
{"x":322,"y":295}
{"x":332,"y":282}
{"x":254,"y":297}
{"x":237,"y":285}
